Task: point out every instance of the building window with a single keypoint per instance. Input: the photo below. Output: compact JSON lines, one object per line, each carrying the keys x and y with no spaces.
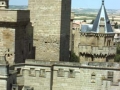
{"x":18,"y":70}
{"x":93,"y":76}
{"x":42,"y":73}
{"x":60,"y":72}
{"x":108,"y":42}
{"x":110,"y":75}
{"x":71,"y":73}
{"x":32,"y":72}
{"x":29,"y":47}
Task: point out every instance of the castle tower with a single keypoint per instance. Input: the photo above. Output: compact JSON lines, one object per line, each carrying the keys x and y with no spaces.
{"x":4,"y":4}
{"x":97,"y":45}
{"x":51,"y":22}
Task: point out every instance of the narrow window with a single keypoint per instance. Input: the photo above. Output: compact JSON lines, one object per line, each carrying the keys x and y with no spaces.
{"x":18,"y":70}
{"x":93,"y":76}
{"x":71,"y":73}
{"x":108,"y":42}
{"x":29,"y":47}
{"x":110,"y":75}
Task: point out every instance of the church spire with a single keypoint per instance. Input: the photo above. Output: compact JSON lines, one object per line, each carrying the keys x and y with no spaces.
{"x":102,"y":2}
{"x":102,"y":22}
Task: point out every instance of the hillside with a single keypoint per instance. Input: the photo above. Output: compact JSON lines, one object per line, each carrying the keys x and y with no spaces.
{"x":17,"y":7}
{"x":93,"y":11}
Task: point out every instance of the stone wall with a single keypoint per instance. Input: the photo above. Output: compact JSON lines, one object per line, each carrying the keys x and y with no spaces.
{"x":51,"y":23}
{"x":16,"y":34}
{"x":96,"y":47}
{"x":35,"y":76}
{"x":7,"y":43}
{"x":69,"y":76}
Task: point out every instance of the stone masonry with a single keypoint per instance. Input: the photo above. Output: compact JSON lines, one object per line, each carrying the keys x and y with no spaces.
{"x":34,"y":45}
{"x":51,"y":28}
{"x":69,"y":76}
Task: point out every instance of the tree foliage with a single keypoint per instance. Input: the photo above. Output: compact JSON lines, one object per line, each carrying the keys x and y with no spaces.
{"x":74,"y":57}
{"x":117,"y":57}
{"x":116,"y":25}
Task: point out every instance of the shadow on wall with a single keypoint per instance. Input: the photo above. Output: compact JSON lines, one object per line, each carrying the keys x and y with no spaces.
{"x":65,"y":30}
{"x":23,"y":37}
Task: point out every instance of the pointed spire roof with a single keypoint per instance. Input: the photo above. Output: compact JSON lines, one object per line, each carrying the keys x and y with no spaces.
{"x":102,"y":17}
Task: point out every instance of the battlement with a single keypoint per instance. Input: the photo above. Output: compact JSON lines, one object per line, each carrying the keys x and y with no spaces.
{"x":95,"y":65}
{"x":98,"y":34}
{"x":62,"y":73}
{"x":111,"y":50}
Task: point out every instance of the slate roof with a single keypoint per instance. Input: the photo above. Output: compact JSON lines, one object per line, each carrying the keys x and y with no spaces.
{"x":86,"y":28}
{"x":102,"y":13}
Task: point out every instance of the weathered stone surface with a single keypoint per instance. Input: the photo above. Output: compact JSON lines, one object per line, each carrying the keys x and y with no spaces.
{"x":51,"y":28}
{"x":87,"y":76}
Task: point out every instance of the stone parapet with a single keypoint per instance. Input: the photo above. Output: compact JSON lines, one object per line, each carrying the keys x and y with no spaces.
{"x":94,"y":65}
{"x":95,"y":50}
{"x":68,"y":76}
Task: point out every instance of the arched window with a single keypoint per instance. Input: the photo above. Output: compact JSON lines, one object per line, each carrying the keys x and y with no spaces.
{"x":93,"y":76}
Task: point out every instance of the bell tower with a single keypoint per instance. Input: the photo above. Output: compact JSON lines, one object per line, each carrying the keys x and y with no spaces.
{"x":4,"y":4}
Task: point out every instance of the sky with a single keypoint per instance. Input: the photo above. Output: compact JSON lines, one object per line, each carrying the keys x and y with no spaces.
{"x":109,"y":4}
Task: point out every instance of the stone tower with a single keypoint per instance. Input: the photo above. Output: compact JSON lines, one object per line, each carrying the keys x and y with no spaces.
{"x":51,"y":22}
{"x":4,"y":4}
{"x":97,"y":44}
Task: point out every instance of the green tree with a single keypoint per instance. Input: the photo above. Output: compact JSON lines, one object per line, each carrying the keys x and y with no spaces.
{"x":116,"y":25}
{"x":74,"y":57}
{"x":117,"y":56}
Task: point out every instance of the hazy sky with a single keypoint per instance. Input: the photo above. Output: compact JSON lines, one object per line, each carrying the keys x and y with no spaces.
{"x":110,"y":4}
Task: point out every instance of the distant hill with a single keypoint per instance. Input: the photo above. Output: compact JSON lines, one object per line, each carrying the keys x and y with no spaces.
{"x":17,"y":7}
{"x":93,"y":11}
{"x":77,"y":11}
